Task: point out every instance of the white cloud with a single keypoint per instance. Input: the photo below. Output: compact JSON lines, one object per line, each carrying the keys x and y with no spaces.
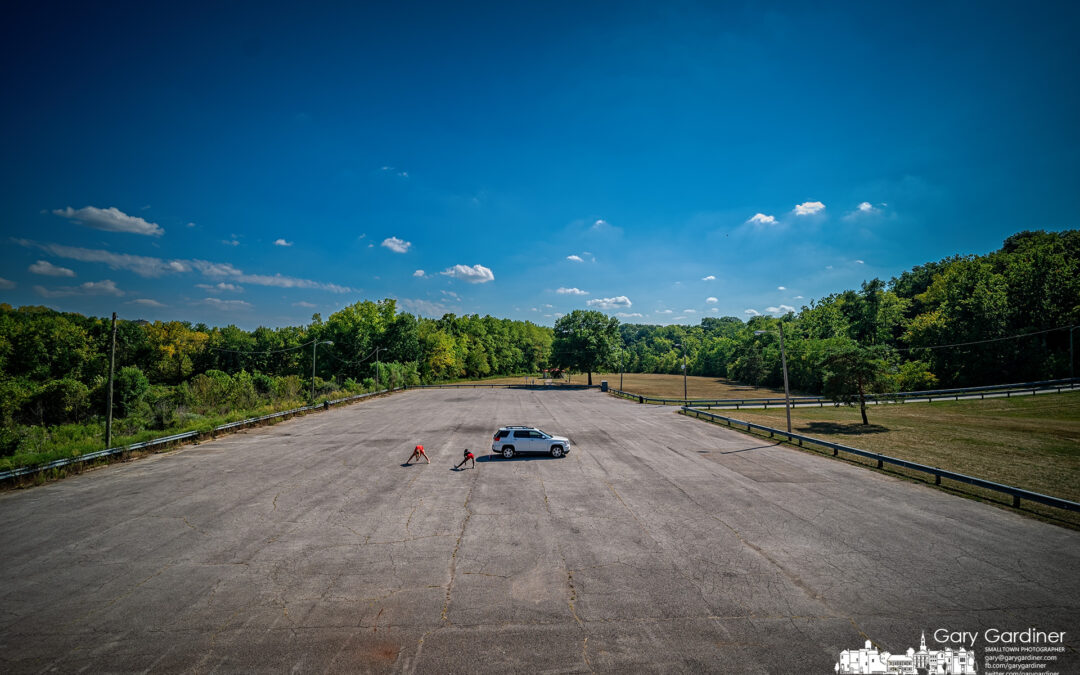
{"x":452,"y":295}
{"x":711,"y":300}
{"x":145,"y":302}
{"x":574,"y":258}
{"x":571,"y":291}
{"x":715,"y":309}
{"x":828,"y":267}
{"x":191,"y":224}
{"x":708,"y":278}
{"x":664,"y":311}
{"x":111,"y":219}
{"x":397,"y":245}
{"x":781,"y":288}
{"x":630,"y":315}
{"x":47,"y":269}
{"x":230,"y":242}
{"x":477,"y":274}
{"x":104,"y":287}
{"x":212,"y":269}
{"x":424,"y":307}
{"x":225,"y":305}
{"x":797,"y":297}
{"x":548,"y":306}
{"x":618,"y":302}
{"x":6,"y":284}
{"x":867,"y":207}
{"x":859,"y":262}
{"x":220,"y":286}
{"x":155,"y":267}
{"x":762,"y":219}
{"x":689,"y":311}
{"x":306,"y":305}
{"x":419,"y":274}
{"x":282,"y":242}
{"x":140,"y":265}
{"x":809,"y":208}
{"x":782,"y":309}
{"x":751,"y":312}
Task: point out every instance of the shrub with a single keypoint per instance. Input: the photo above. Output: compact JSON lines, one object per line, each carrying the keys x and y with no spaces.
{"x":264,"y":384}
{"x":130,"y":387}
{"x":60,"y":401}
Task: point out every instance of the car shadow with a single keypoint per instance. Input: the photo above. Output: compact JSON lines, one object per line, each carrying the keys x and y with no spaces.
{"x":515,"y":458}
{"x":852,"y":429}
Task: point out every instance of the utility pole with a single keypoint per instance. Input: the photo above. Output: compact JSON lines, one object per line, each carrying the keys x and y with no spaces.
{"x":376,"y":369}
{"x":787,"y":392}
{"x":109,"y":397}
{"x":783,"y":363}
{"x":315,"y":343}
{"x":683,"y":345}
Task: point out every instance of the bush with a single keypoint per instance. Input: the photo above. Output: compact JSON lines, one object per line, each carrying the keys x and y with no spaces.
{"x":60,"y":402}
{"x":288,"y":387}
{"x":210,"y":390}
{"x":242,"y":394}
{"x":913,"y":376}
{"x":130,"y":387}
{"x":264,"y":384}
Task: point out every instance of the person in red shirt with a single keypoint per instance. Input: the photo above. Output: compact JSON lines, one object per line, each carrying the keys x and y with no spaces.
{"x":417,"y":453}
{"x":468,"y":457}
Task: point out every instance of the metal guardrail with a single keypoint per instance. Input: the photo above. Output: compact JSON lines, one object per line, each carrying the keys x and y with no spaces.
{"x":928,"y":395}
{"x":1016,"y":493}
{"x":165,"y":440}
{"x":502,"y":386}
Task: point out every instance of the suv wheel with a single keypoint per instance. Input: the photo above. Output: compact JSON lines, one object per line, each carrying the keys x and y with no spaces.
{"x":508,"y":451}
{"x":556,"y":451}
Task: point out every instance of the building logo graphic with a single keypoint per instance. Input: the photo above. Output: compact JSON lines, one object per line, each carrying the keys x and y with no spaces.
{"x":946,"y":661}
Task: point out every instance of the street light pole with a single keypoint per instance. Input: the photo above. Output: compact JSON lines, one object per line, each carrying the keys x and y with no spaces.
{"x":683,"y":345}
{"x":783,"y":363}
{"x":787,"y":391}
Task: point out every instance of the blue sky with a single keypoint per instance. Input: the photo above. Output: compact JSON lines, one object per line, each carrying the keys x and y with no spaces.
{"x":661,"y":162}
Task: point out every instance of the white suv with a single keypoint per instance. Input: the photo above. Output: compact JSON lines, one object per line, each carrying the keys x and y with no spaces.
{"x":510,"y":441}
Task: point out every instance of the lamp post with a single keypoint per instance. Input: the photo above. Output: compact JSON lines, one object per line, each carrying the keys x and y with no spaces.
{"x":783,"y":363}
{"x":314,"y":344}
{"x":684,"y":397}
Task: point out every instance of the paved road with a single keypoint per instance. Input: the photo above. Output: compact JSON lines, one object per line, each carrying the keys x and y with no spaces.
{"x":660,"y":544}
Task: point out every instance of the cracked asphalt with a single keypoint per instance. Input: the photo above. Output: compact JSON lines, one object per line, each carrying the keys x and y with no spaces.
{"x":659,"y":544}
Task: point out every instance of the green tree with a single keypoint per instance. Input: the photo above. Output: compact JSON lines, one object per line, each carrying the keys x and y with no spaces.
{"x":131,"y":384}
{"x":584,"y":341}
{"x":852,"y":371}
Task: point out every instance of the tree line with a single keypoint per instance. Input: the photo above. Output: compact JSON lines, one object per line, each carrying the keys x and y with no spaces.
{"x":960,"y":321}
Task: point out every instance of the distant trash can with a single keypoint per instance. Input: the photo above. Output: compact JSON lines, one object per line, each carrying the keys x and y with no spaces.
{"x":603,"y":385}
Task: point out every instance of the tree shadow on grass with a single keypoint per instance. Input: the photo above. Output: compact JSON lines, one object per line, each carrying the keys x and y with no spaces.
{"x":849,"y":429}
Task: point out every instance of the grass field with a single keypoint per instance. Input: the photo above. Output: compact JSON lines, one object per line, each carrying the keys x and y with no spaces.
{"x":660,"y":386}
{"x":1030,"y":442}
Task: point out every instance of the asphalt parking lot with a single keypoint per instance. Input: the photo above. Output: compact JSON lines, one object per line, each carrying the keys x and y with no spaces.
{"x":659,"y":544}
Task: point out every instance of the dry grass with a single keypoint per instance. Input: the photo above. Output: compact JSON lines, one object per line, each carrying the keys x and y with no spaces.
{"x":1029,"y":442}
{"x":661,"y":386}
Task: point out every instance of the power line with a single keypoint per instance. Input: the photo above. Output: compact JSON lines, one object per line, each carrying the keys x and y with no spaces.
{"x":979,"y":342}
{"x":267,"y":352}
